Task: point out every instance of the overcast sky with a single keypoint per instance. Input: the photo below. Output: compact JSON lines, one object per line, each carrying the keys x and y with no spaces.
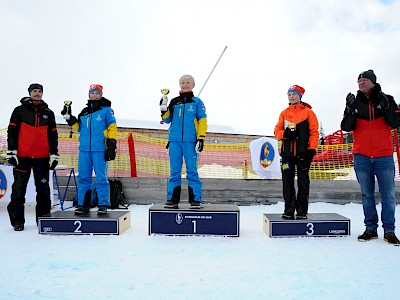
{"x":136,"y":47}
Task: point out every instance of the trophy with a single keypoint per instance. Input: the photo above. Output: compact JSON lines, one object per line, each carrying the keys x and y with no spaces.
{"x":292,"y":126}
{"x":164,"y":100}
{"x":67,"y":109}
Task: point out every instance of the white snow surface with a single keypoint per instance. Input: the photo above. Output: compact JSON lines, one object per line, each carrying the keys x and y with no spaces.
{"x":134,"y":265}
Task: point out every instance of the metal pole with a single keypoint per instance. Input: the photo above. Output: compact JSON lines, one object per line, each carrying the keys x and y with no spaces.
{"x":212,"y":71}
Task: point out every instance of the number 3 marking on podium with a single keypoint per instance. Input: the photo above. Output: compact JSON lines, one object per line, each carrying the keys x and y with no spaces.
{"x":78,"y":226}
{"x":310,"y":230}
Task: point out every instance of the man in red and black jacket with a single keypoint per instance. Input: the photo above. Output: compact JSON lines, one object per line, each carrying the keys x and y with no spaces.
{"x":32,"y":144}
{"x":371,"y":115}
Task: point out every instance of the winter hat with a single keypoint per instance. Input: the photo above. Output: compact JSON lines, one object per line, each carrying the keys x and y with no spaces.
{"x":96,"y":88}
{"x":369,"y":75}
{"x":296,"y":89}
{"x":35,"y":86}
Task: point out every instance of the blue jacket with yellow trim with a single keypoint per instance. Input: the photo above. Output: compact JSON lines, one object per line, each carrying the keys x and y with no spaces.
{"x":95,"y":124}
{"x":188,"y":118}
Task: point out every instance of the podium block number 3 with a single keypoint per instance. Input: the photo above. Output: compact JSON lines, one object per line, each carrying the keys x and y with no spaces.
{"x":310,"y":230}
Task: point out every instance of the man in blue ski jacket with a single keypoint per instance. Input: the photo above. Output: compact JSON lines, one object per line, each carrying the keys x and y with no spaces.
{"x":187,"y":117}
{"x":97,"y":145}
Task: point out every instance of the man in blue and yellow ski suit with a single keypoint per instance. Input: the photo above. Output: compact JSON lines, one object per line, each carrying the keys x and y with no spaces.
{"x":187,"y":116}
{"x":97,"y":145}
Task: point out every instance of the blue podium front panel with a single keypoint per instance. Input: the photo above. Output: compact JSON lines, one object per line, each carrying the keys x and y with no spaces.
{"x":66,"y":222}
{"x":317,"y":224}
{"x":212,"y":219}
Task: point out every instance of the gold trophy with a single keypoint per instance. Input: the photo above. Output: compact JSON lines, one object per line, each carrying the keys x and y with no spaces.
{"x":164,"y":100}
{"x":67,"y":109}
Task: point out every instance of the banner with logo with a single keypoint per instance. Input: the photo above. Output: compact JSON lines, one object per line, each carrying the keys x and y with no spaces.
{"x":265,"y":158}
{"x":7,"y":179}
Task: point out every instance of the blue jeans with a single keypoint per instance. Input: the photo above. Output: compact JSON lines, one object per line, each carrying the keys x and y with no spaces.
{"x":366,"y":169}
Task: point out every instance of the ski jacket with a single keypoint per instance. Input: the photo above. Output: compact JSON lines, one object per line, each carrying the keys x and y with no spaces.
{"x":371,"y":124}
{"x":306,"y":123}
{"x":32,"y":130}
{"x":95,"y":124}
{"x":188,"y":118}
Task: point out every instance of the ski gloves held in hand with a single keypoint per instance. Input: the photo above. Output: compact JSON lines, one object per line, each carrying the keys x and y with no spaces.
{"x":12,"y":159}
{"x":199,"y":145}
{"x":111,"y":149}
{"x":53,"y":161}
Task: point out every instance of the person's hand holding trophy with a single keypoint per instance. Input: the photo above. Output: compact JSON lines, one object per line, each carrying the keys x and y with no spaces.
{"x":164,"y":100}
{"x":66,"y":112}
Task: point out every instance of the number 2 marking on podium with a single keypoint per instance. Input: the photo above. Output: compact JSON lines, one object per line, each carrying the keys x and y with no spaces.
{"x":194,"y":226}
{"x":310,"y":230}
{"x":78,"y":226}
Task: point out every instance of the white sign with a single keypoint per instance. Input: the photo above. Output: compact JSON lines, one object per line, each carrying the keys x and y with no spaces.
{"x":7,"y":179}
{"x":265,"y":158}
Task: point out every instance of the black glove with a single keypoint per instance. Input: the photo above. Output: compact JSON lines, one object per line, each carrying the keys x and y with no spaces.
{"x":53,"y":161}
{"x":383,"y":100}
{"x":67,"y":110}
{"x":11,"y":158}
{"x":72,"y":120}
{"x":111,"y":149}
{"x":351,"y":105}
{"x":310,"y":154}
{"x":199,"y":145}
{"x":290,"y":134}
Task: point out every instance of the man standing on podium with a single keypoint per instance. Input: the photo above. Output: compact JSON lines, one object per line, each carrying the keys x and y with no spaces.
{"x":187,"y":116}
{"x":32,"y":145}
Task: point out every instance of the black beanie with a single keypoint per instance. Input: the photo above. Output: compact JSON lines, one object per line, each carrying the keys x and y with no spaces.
{"x":35,"y":86}
{"x":369,"y":75}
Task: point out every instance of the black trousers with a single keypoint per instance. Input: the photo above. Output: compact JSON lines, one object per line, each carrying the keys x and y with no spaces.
{"x":289,"y":167}
{"x":16,"y":207}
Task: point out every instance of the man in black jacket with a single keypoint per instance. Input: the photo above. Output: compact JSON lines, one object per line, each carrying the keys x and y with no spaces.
{"x":371,"y":115}
{"x":32,"y":144}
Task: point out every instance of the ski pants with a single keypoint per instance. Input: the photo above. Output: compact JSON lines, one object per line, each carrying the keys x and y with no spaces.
{"x":178,"y":151}
{"x":292,"y":203}
{"x":89,"y":161}
{"x":16,"y":208}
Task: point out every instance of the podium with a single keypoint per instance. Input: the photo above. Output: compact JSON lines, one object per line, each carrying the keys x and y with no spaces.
{"x":66,"y":222}
{"x":317,"y":224}
{"x":212,"y":219}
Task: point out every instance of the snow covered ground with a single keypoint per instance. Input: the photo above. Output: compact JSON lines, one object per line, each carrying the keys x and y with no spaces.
{"x":135,"y":265}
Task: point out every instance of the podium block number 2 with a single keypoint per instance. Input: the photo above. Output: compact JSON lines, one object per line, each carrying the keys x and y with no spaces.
{"x":78,"y":225}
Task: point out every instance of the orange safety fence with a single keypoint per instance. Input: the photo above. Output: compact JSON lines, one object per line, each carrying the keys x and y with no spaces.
{"x":140,"y":155}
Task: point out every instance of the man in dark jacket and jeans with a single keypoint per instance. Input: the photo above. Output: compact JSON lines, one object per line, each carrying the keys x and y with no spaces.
{"x":32,"y":144}
{"x":371,"y":115}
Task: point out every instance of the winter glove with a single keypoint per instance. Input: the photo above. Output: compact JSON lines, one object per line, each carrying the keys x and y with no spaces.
{"x":11,"y":158}
{"x":53,"y":161}
{"x":351,"y":105}
{"x":383,"y":101}
{"x":67,"y":111}
{"x":72,"y":120}
{"x":290,"y":134}
{"x":199,"y":145}
{"x":111,"y":149}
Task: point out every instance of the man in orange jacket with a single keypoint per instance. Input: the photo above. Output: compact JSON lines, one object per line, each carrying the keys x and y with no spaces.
{"x":297,"y":129}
